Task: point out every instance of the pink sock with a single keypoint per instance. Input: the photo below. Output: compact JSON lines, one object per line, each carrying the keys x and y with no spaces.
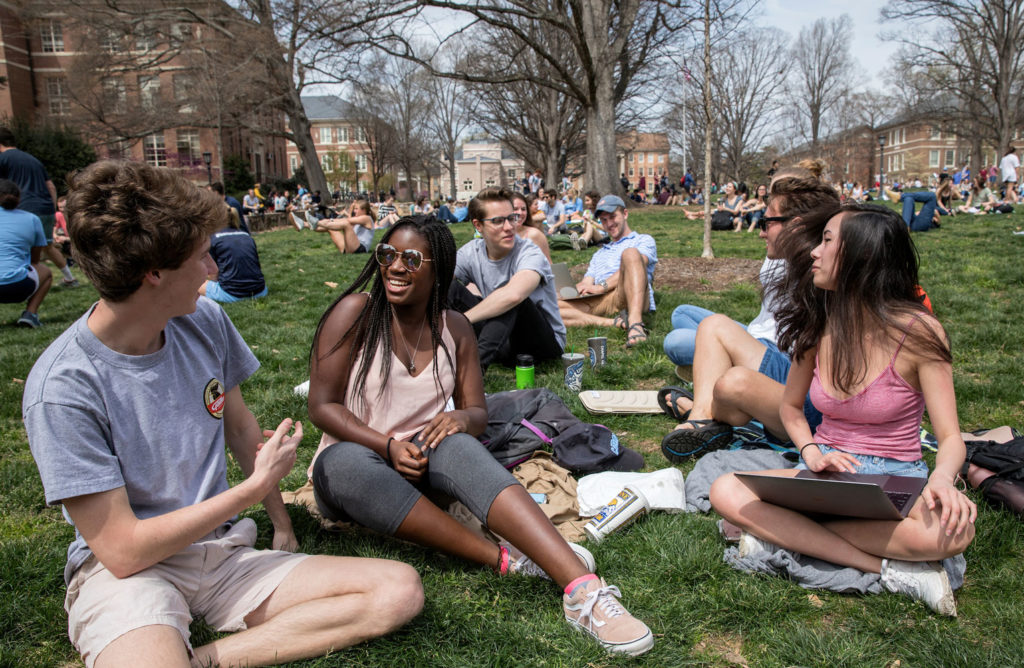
{"x":571,"y":587}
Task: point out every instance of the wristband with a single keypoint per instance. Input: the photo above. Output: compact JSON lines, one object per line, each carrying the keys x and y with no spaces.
{"x":387,"y":452}
{"x":805,"y":445}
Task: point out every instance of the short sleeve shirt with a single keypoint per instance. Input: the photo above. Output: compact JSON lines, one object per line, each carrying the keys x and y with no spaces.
{"x":608,"y":258}
{"x":30,"y":175}
{"x":1008,"y":166}
{"x":20,"y":232}
{"x":473,"y":266}
{"x":98,"y":420}
{"x":553,"y":213}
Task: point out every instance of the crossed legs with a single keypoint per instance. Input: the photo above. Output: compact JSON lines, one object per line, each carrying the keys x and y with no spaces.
{"x":629,"y":294}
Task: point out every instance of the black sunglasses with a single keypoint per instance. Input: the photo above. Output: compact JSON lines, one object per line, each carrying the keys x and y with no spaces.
{"x":499,"y":221}
{"x":386,"y":254}
{"x":762,"y":223}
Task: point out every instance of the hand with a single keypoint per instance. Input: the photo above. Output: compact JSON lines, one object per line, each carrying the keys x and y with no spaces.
{"x":589,"y":288}
{"x":834,"y":460}
{"x":442,"y":426}
{"x":284,"y":540}
{"x":957,"y":510}
{"x":408,"y":460}
{"x":275,"y":457}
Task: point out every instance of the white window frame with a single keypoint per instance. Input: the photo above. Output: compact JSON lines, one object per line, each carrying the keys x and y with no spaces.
{"x":114,"y":92}
{"x":149,"y":91}
{"x":341,"y":135}
{"x":325,"y":135}
{"x":51,"y":35}
{"x":57,"y":96}
{"x":188,"y":138}
{"x":154,"y":149}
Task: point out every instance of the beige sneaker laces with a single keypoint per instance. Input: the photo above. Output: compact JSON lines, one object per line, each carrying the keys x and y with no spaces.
{"x":606,"y":600}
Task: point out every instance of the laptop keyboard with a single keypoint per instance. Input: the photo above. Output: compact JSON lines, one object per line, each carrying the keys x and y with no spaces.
{"x":898,"y":498}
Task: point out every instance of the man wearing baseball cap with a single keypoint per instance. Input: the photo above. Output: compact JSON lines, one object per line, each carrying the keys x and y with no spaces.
{"x":616,"y":290}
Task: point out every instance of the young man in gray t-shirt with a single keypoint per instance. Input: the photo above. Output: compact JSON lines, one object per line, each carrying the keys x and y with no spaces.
{"x":128,"y":413}
{"x":515,"y":308}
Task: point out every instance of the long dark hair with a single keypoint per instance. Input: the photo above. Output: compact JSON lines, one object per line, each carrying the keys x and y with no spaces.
{"x":372,"y":329}
{"x":876,"y":290}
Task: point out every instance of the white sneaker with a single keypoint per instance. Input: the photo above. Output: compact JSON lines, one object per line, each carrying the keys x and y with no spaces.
{"x":924,"y":581}
{"x":749,"y":545}
{"x":520,"y":564}
{"x":594,"y":608}
{"x":574,"y":239}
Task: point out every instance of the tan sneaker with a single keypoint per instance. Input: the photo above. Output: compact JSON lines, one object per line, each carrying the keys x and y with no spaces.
{"x":594,"y":608}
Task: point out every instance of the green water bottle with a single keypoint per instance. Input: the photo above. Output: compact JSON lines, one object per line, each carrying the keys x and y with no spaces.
{"x":524,"y":372}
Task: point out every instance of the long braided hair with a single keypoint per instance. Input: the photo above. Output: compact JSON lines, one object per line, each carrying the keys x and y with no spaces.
{"x":373,"y":327}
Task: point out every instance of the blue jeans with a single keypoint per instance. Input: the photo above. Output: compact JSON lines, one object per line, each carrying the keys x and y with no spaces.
{"x":922,"y":222}
{"x":875,"y":465}
{"x":681,"y":341}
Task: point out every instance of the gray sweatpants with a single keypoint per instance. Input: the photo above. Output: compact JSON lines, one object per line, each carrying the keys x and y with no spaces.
{"x":350,"y":481}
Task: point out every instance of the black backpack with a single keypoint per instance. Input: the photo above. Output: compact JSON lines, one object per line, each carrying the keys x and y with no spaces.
{"x":516,"y":420}
{"x":1006,"y":460}
{"x":721,"y":220}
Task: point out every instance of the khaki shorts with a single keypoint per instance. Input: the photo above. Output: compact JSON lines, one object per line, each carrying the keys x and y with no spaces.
{"x":608,"y":304}
{"x":220,"y":578}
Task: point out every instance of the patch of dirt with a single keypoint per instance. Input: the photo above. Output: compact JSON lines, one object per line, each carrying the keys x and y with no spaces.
{"x":725,"y":647}
{"x":696,"y":274}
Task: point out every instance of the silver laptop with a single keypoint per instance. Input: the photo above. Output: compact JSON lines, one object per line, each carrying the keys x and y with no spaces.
{"x":876,"y":497}
{"x":564,"y":285}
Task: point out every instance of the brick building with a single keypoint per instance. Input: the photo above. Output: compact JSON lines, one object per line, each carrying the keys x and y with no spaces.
{"x":39,"y":58}
{"x":479,"y":164}
{"x":642,"y":154}
{"x":340,"y":143}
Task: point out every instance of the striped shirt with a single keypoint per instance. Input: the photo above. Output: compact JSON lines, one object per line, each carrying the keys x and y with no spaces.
{"x":608,"y":257}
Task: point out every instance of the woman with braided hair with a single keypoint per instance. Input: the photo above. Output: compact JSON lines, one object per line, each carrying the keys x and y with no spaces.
{"x":395,"y":384}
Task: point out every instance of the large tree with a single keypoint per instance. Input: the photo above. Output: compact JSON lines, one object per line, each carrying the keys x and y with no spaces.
{"x":823,"y":74}
{"x":968,"y":57}
{"x":450,"y":114}
{"x":612,"y":45}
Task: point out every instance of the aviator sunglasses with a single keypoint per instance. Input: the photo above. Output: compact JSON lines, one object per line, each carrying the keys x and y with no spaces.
{"x":762,"y":223}
{"x":412,"y":259}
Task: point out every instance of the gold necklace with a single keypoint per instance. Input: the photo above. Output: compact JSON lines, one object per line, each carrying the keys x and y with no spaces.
{"x":412,"y":361}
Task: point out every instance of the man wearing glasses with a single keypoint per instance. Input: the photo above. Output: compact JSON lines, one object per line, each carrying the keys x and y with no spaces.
{"x":505,"y":286}
{"x":738,"y":372}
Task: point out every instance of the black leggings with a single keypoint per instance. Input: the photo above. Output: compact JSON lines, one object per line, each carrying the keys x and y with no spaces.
{"x":350,"y":481}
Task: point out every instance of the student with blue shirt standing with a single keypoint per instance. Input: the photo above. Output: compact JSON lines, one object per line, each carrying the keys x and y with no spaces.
{"x":23,"y":276}
{"x":619,"y":279}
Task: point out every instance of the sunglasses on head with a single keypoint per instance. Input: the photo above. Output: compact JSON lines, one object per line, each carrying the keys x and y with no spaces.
{"x":762,"y":224}
{"x":386,"y":254}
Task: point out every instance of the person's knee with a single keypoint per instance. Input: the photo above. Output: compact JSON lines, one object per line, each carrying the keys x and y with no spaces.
{"x":714,"y":326}
{"x":44,"y":272}
{"x":631,"y":259}
{"x":398,"y":597}
{"x":733,"y":385}
{"x":679,"y":345}
{"x":723,"y":496}
{"x":343,"y":473}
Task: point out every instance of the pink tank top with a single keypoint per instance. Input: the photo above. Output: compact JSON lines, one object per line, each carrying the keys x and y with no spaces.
{"x":410,"y":402}
{"x":883,"y":419}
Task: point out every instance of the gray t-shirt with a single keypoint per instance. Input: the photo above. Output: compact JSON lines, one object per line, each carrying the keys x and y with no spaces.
{"x":473,"y":266}
{"x":365,"y":236}
{"x":153,"y":424}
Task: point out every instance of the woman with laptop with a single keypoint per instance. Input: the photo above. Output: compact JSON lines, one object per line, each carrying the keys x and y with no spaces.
{"x":873,"y":358}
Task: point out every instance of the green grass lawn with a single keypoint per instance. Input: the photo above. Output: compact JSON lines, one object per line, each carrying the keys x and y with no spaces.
{"x":669,"y":567}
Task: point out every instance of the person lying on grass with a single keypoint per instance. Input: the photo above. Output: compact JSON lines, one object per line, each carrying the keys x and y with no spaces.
{"x":395,"y":384}
{"x":873,"y":358}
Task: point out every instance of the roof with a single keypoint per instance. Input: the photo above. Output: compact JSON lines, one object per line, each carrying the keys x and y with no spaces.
{"x":327,"y":108}
{"x":643,"y":141}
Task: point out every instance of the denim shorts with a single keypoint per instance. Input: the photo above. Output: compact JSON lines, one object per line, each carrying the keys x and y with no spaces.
{"x":775,"y":364}
{"x":218,"y":294}
{"x":874,"y":465}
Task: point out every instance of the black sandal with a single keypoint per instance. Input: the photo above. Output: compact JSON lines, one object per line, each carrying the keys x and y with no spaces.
{"x":683,"y":444}
{"x":667,"y":397}
{"x":636,"y":339}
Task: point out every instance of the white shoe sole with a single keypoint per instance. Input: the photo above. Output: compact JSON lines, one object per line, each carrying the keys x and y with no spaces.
{"x":631,"y":648}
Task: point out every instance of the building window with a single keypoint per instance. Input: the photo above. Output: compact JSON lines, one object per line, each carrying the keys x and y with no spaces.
{"x":650,"y":157}
{"x":120,"y":149}
{"x":145,"y":37}
{"x":632,"y":157}
{"x":149,"y":92}
{"x":341,"y":135}
{"x":511,"y":173}
{"x":293,"y":162}
{"x":661,"y":158}
{"x":361,"y":162}
{"x":631,"y":171}
{"x":360,"y":135}
{"x":933,"y":158}
{"x":181,"y":32}
{"x":467,"y":184}
{"x":114,"y":95}
{"x":650,"y":171}
{"x":950,"y":155}
{"x":52,"y":35}
{"x":325,"y":135}
{"x":56,"y":92}
{"x":154,"y":150}
{"x":110,"y":42}
{"x":188,"y":147}
{"x":325,"y":160}
{"x":936,"y":133}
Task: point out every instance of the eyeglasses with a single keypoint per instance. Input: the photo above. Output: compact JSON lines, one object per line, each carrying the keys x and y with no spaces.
{"x":499,"y":221}
{"x":762,"y":224}
{"x":386,"y":254}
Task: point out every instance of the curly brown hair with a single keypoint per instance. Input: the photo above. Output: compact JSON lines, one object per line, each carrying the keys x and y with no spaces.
{"x":126,"y":219}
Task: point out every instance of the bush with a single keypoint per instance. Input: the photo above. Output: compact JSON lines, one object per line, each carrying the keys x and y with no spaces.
{"x":237,"y":177}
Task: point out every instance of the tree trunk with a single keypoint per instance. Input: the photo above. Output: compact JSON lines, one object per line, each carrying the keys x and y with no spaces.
{"x":452,"y":187}
{"x":601,"y":166}
{"x":709,"y":120}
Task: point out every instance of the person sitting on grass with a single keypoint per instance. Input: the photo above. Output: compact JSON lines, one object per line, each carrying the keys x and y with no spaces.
{"x":128,"y":414}
{"x":934,"y":204}
{"x":520,"y":209}
{"x":505,"y":286}
{"x":395,"y":384}
{"x":554,"y":212}
{"x":353,"y":231}
{"x":619,"y":278}
{"x":753,"y":209}
{"x":979,"y":199}
{"x":238,"y":275}
{"x":732,"y":202}
{"x":23,"y":276}
{"x":592,"y":234}
{"x":738,"y":372}
{"x":387,"y":212}
{"x":873,"y":358}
